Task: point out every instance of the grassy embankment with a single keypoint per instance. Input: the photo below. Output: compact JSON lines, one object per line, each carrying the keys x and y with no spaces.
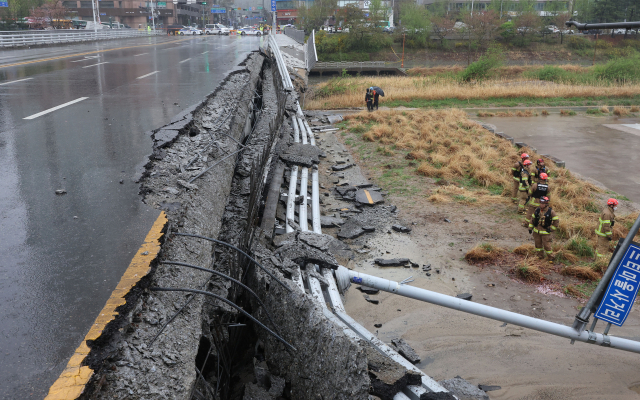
{"x":468,"y":165}
{"x":616,"y":83}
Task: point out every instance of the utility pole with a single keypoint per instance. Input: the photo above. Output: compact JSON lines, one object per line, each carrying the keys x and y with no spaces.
{"x":95,"y":25}
{"x":153,"y":17}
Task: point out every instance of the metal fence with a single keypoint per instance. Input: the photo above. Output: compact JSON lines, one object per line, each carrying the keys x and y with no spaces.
{"x":310,"y":54}
{"x":28,"y":38}
{"x":350,"y":64}
{"x":294,"y":34}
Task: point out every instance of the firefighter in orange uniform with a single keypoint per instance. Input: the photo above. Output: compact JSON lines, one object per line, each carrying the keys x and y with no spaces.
{"x":516,"y":171}
{"x":604,"y":231}
{"x":523,"y":187}
{"x":536,"y":191}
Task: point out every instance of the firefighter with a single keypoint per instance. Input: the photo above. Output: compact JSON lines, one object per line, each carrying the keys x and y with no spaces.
{"x":536,"y":191}
{"x":603,"y":231}
{"x":516,"y":171}
{"x":540,"y":168}
{"x":523,"y":186}
{"x":544,"y":222}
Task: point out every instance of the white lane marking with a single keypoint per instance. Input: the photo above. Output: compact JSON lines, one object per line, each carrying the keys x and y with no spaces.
{"x":185,"y":60}
{"x":86,"y":58}
{"x":19,"y":80}
{"x":55,"y":108}
{"x":149,"y":74}
{"x":141,"y":54}
{"x":93,"y":65}
{"x":204,"y":52}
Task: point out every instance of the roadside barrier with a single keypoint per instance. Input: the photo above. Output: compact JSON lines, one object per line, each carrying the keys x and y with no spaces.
{"x":29,"y":38}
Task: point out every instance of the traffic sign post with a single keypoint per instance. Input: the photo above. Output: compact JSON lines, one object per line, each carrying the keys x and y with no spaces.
{"x":274,"y":22}
{"x":623,"y":289}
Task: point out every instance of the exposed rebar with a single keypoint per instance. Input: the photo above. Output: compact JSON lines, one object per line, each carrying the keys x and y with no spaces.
{"x":275,"y":327}
{"x":229,"y":302}
{"x":240,"y":251}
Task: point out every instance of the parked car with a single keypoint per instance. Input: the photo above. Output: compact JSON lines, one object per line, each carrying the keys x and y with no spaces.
{"x":249,"y":30}
{"x":190,"y":31}
{"x":389,"y":29}
{"x":216,"y":29}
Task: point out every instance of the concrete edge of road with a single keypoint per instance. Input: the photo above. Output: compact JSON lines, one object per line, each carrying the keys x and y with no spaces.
{"x":72,"y":381}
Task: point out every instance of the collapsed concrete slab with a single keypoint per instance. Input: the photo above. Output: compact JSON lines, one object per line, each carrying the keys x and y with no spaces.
{"x":304,"y":155}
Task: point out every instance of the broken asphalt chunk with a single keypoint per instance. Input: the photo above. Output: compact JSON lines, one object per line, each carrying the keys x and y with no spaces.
{"x":405,"y":350}
{"x":400,"y":228}
{"x":369,"y":197}
{"x":368,"y":290}
{"x":342,"y":167}
{"x":465,"y":296}
{"x":489,"y":388}
{"x":370,"y":300}
{"x":61,"y":192}
{"x":463,"y":389}
{"x":394,"y":262}
{"x":305,"y":155}
{"x":330,"y":221}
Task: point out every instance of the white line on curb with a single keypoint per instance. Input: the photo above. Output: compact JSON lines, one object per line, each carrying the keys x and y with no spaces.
{"x":55,"y":108}
{"x":141,"y":54}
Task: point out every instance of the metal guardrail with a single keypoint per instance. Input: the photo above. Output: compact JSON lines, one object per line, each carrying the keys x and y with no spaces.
{"x":294,"y":34}
{"x":350,"y":64}
{"x":18,"y":39}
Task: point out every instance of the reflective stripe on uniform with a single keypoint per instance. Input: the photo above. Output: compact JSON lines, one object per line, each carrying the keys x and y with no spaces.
{"x":599,"y":229}
{"x":540,"y":232}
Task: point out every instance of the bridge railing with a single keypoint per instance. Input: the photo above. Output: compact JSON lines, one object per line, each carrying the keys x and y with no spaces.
{"x":310,"y":54}
{"x":28,"y":38}
{"x":294,"y":34}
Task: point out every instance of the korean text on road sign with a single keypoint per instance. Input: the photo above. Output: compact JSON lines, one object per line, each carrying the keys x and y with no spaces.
{"x":273,"y":5}
{"x":622,"y":290}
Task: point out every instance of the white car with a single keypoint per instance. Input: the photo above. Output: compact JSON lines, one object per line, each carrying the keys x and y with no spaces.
{"x":190,"y":31}
{"x":249,"y":30}
{"x":216,"y":29}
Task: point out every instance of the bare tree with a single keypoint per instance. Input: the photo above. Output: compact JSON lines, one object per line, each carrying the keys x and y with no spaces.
{"x":442,"y":25}
{"x":481,"y":26}
{"x":527,"y":24}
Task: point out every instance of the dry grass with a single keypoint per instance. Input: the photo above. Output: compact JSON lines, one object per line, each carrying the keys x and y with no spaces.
{"x":604,"y":109}
{"x":513,"y":71}
{"x":572,"y":291}
{"x":525,"y":250}
{"x":544,"y":112}
{"x":439,"y":88}
{"x":620,"y":111}
{"x":528,"y":271}
{"x":634,"y":109}
{"x":483,"y":252}
{"x":587,"y":273}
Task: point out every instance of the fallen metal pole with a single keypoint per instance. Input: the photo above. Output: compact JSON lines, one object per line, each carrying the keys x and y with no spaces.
{"x":229,"y":302}
{"x":345,"y":276}
{"x":582,"y":319}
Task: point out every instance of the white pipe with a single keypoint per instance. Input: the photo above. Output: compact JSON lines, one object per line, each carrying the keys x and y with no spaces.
{"x":302,"y":212}
{"x":344,"y":276}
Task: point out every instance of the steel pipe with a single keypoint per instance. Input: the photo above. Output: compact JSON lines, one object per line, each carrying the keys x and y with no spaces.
{"x":609,"y":25}
{"x":345,"y":277}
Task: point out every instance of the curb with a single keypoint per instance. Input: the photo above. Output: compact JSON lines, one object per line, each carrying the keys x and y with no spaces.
{"x":73,"y":380}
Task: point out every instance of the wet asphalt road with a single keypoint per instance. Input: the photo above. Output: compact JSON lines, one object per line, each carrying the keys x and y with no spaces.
{"x":61,"y":256}
{"x":606,"y":149}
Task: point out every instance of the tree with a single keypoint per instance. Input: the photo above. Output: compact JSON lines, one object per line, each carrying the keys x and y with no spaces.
{"x":378,"y":13}
{"x":53,"y":12}
{"x":481,"y":26}
{"x":316,"y":15}
{"x":441,"y":26}
{"x":439,"y":8}
{"x":502,"y":7}
{"x":527,"y":24}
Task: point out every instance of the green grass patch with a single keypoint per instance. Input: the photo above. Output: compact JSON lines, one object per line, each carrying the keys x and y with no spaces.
{"x":586,"y":289}
{"x":580,"y":247}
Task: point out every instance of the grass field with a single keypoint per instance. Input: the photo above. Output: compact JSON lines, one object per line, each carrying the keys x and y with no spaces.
{"x":440,"y":91}
{"x":472,"y":166}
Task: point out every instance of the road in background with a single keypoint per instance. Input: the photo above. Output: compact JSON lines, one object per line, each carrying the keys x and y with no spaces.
{"x":80,"y":123}
{"x":606,"y":149}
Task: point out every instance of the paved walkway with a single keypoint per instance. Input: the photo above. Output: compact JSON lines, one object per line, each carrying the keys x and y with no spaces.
{"x":292,"y":51}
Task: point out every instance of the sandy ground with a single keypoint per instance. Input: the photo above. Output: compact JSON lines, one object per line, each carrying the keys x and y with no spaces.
{"x":525,"y":363}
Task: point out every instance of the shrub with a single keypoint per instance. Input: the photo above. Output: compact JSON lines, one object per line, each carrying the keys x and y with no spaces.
{"x":548,"y":73}
{"x":581,"y":272}
{"x":580,"y":247}
{"x":579,"y":43}
{"x":483,"y":252}
{"x":480,"y":69}
{"x":620,"y":70}
{"x":529,"y":272}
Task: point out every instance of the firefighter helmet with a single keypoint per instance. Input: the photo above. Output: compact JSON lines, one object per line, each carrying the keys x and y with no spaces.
{"x":544,"y":176}
{"x":544,"y":200}
{"x":527,"y":162}
{"x":612,"y":202}
{"x":540,"y":161}
{"x":524,"y":155}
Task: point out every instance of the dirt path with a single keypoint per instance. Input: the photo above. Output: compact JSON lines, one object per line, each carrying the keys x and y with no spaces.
{"x":525,"y":363}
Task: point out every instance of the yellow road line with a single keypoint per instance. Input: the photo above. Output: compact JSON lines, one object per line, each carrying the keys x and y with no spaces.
{"x":89,"y":52}
{"x":366,"y":192}
{"x":75,"y":376}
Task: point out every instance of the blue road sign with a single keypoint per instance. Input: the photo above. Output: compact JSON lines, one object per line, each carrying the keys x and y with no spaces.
{"x":622,"y":290}
{"x":4,"y":4}
{"x":273,"y":5}
{"x":218,"y":11}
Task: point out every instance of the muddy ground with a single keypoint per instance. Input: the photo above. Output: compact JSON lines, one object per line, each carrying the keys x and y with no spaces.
{"x":524,"y":363}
